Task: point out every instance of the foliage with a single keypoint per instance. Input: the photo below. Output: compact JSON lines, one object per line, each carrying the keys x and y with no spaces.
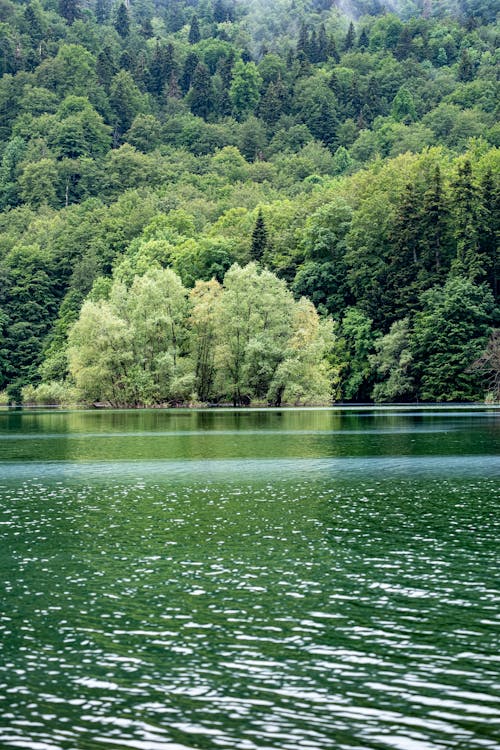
{"x":147,"y":149}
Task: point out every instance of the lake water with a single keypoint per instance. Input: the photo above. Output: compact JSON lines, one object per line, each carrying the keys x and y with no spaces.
{"x":253,"y":580}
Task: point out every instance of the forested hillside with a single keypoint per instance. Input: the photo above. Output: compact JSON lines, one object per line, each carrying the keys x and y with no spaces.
{"x":209,"y":201}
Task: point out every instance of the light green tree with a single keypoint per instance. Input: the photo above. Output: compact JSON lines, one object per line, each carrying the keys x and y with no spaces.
{"x":132,"y":349}
{"x":392,"y":361}
{"x":245,"y":88}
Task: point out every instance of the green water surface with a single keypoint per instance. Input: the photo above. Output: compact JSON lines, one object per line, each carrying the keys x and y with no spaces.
{"x":256,"y":580}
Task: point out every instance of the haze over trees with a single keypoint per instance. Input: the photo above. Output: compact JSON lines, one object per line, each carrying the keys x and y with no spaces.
{"x":160,"y":161}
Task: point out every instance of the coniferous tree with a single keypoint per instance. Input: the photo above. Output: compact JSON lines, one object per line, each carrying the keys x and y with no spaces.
{"x":147,"y":28}
{"x":259,"y":237}
{"x":274,"y":102}
{"x":490,"y":229}
{"x":126,"y":60}
{"x":363,"y":40}
{"x":312,"y":47}
{"x":435,"y":241}
{"x":469,"y":261}
{"x":33,"y":24}
{"x":350,"y":38}
{"x":465,"y":70}
{"x":194,"y":31}
{"x":220,"y":14}
{"x":190,"y":64}
{"x":105,"y":67}
{"x":122,"y":23}
{"x":322,"y":45}
{"x":201,"y":94}
{"x":161,"y":68}
{"x":332,"y":50}
{"x":70,"y":10}
{"x":402,"y":281}
{"x":303,"y":40}
{"x":404,"y":45}
{"x":101,"y":11}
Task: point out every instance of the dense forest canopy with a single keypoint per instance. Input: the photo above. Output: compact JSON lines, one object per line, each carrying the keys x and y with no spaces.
{"x":330,"y":168}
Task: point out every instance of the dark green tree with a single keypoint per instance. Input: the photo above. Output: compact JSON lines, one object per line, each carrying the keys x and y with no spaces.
{"x":363,"y":40}
{"x":322,"y":45}
{"x":403,"y":277}
{"x":161,"y":68}
{"x":449,"y":334}
{"x":70,"y":10}
{"x":435,"y":240}
{"x":122,"y":22}
{"x":259,"y":238}
{"x":105,"y":67}
{"x":101,"y":11}
{"x":469,"y":261}
{"x":201,"y":95}
{"x":465,"y":71}
{"x":194,"y":31}
{"x":190,"y":64}
{"x":490,"y":230}
{"x":350,"y":38}
{"x":33,"y":24}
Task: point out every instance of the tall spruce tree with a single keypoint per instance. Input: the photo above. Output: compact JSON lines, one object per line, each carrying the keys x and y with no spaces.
{"x":194,"y":31}
{"x":435,"y":239}
{"x":122,"y":23}
{"x":101,"y":11}
{"x":70,"y":10}
{"x":201,"y":95}
{"x":490,"y":230}
{"x":259,"y":237}
{"x":469,"y":261}
{"x":190,"y":64}
{"x":350,"y":38}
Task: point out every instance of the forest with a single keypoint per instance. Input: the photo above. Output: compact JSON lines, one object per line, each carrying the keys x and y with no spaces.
{"x":239,"y":201}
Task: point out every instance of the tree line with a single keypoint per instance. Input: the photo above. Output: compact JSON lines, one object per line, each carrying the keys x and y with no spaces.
{"x":356,"y":161}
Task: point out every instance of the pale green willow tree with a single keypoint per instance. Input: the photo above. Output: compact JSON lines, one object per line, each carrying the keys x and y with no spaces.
{"x":133,"y":348}
{"x":269,"y":346}
{"x":204,"y":298}
{"x":246,"y":340}
{"x":304,"y":375}
{"x":393,"y":361}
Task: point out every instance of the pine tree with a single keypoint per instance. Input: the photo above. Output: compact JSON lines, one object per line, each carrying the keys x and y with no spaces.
{"x":33,"y":25}
{"x":194,"y":31}
{"x":174,"y":91}
{"x":259,"y":238}
{"x":161,"y":68}
{"x":402,"y":282}
{"x":363,"y":40}
{"x":70,"y":10}
{"x":147,"y":29}
{"x":312,"y":47}
{"x":105,"y":67}
{"x":322,"y":44}
{"x":101,"y":11}
{"x":465,"y":70}
{"x":350,"y":37}
{"x":404,"y":45}
{"x":435,"y":240}
{"x":201,"y":96}
{"x":490,"y":226}
{"x":469,"y":262}
{"x":190,"y":64}
{"x":303,"y":41}
{"x":122,"y":23}
{"x":332,"y":50}
{"x":274,"y":102}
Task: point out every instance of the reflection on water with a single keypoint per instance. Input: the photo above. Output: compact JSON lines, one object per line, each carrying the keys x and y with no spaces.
{"x":313,"y":597}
